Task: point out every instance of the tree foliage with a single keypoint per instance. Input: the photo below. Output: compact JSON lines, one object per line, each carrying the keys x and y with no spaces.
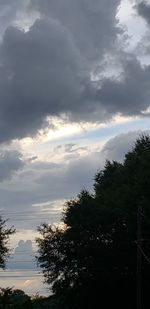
{"x":16,"y":299}
{"x":5,"y":233}
{"x":91,"y":262}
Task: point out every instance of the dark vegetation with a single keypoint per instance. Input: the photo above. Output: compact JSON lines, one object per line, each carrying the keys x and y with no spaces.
{"x":91,"y":259}
{"x":17,"y":299}
{"x":5,"y":233}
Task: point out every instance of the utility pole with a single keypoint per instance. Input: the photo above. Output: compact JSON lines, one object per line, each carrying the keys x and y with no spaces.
{"x":139,"y":258}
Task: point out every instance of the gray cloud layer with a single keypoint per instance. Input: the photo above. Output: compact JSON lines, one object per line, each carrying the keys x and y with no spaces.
{"x":44,"y":184}
{"x":47,"y":70}
{"x":92,"y":24}
{"x":38,"y":77}
{"x":143,"y":9}
{"x":8,"y":12}
{"x":10,"y":162}
{"x":130,"y":95}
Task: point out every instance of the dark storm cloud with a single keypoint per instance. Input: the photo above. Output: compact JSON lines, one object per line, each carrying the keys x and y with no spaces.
{"x":10,"y":162}
{"x":92,"y":24}
{"x":47,"y":69}
{"x":40,"y":74}
{"x":143,"y":46}
{"x":129,"y":95}
{"x":143,"y":9}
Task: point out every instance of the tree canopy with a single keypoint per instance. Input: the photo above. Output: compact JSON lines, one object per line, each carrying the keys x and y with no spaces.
{"x":91,"y":261}
{"x":5,"y":233}
{"x":14,"y":298}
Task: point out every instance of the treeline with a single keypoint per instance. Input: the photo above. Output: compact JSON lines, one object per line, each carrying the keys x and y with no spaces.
{"x":90,"y":260}
{"x":17,"y":299}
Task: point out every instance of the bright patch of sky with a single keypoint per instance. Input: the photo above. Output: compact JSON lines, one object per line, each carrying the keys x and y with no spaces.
{"x":29,"y":281}
{"x":135,"y":25}
{"x":44,"y":147}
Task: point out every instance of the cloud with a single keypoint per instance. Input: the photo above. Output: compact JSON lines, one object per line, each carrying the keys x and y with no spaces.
{"x":37,"y":194}
{"x":9,"y":10}
{"x":70,"y":147}
{"x":92,"y":25}
{"x":80,"y":172}
{"x":23,"y":256}
{"x":118,"y":146}
{"x":37,"y":78}
{"x":143,"y":9}
{"x":129,"y":95}
{"x":46,"y":70}
{"x":143,"y":46}
{"x":10,"y":163}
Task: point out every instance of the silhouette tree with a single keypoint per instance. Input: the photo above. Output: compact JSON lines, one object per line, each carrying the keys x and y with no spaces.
{"x":91,"y":261}
{"x":16,"y":299}
{"x":5,"y":233}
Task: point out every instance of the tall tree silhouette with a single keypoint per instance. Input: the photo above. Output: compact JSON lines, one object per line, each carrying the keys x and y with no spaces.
{"x":91,"y":261}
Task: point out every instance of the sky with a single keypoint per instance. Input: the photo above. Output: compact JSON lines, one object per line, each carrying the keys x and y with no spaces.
{"x":74,"y":91}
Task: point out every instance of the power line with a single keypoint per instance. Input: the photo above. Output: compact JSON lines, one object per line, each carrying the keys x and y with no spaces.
{"x":146,"y":257}
{"x":28,"y":219}
{"x":19,"y":276}
{"x":21,"y":252}
{"x":30,"y":211}
{"x":18,"y":218}
{"x":139,"y":258}
{"x":20,"y":270}
{"x":17,"y":261}
{"x":22,"y":211}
